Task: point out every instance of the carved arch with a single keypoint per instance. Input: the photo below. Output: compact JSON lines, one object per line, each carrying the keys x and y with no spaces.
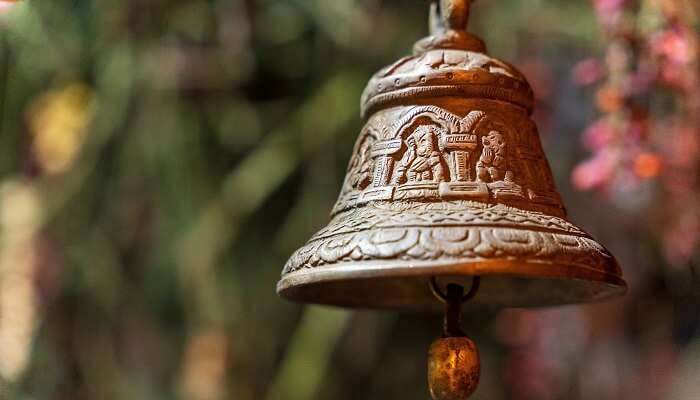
{"x":449,"y":121}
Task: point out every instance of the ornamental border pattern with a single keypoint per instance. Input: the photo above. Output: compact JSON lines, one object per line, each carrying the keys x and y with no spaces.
{"x":471,"y":243}
{"x":454,"y":213}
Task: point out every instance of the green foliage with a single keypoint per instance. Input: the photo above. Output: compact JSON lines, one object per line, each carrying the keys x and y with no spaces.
{"x":209,"y":141}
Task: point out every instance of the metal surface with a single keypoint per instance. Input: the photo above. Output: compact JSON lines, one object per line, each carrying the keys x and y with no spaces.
{"x":454,"y":367}
{"x":448,"y":179}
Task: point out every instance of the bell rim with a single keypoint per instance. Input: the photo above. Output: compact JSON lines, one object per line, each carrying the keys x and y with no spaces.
{"x":293,"y":285}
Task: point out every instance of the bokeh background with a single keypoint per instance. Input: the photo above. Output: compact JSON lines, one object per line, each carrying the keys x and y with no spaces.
{"x":160,"y":160}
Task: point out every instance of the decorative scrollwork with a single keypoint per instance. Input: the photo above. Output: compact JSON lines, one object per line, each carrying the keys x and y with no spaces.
{"x":465,"y":243}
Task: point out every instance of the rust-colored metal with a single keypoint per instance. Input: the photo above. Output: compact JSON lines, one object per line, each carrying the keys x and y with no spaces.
{"x":453,"y":360}
{"x":448,"y":179}
{"x":453,"y":368}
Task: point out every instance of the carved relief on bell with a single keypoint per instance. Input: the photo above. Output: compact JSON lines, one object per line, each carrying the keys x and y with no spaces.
{"x":433,"y":153}
{"x":448,"y":177}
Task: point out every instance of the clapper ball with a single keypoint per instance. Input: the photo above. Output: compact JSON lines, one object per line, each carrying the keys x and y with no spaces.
{"x":453,"y":368}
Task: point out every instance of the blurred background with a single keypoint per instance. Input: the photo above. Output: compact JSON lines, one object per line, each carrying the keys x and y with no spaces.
{"x":160,"y":160}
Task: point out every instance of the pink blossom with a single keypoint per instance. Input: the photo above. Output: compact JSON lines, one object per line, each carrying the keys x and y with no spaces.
{"x":587,"y":72}
{"x":675,"y":76}
{"x":674,"y":45}
{"x":593,"y":173}
{"x":598,"y":135}
{"x":608,"y":5}
{"x":641,"y":80}
{"x":609,"y":11}
{"x":6,"y":6}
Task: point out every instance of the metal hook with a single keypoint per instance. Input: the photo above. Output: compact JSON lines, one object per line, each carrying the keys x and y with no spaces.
{"x":435,"y":289}
{"x":453,"y":300}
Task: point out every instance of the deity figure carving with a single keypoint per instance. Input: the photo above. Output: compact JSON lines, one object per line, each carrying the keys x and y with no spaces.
{"x":422,"y":162}
{"x":491,"y":166}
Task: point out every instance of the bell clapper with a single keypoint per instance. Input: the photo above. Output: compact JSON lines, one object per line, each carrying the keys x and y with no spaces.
{"x":453,"y":359}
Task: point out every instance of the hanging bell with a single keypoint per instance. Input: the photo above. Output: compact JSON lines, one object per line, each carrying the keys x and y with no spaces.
{"x":448,"y":186}
{"x":448,"y":179}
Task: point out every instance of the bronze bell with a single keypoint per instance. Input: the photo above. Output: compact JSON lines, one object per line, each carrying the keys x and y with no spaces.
{"x":448,"y":179}
{"x":448,"y":185}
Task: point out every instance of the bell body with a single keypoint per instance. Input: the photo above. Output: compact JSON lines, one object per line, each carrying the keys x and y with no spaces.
{"x":448,"y":178}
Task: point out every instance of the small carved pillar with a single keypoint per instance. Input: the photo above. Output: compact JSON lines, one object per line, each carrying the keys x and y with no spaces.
{"x":461,"y":146}
{"x":382,"y":170}
{"x":382,"y":151}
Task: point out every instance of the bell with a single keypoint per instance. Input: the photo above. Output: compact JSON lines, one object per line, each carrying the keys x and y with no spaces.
{"x":448,"y":187}
{"x":448,"y":179}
